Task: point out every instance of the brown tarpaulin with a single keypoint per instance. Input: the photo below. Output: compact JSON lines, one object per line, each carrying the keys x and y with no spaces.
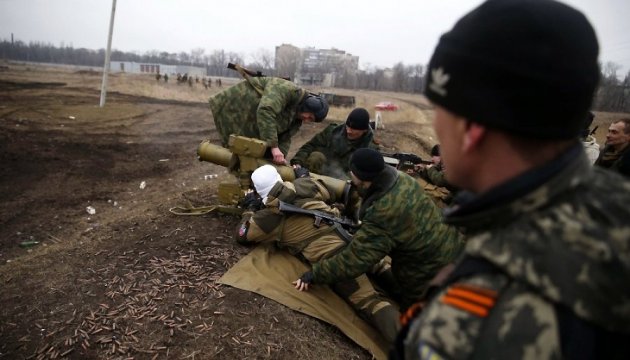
{"x":269,"y":272}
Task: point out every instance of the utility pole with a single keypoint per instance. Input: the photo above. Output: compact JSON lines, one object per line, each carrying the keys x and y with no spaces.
{"x":107,"y":54}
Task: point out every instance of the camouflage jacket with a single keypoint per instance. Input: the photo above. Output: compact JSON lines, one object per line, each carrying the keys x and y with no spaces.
{"x":271,"y":117}
{"x":614,"y":160}
{"x":435,"y":175}
{"x":293,"y":232}
{"x":334,"y":144}
{"x":397,"y":219}
{"x":560,"y":238}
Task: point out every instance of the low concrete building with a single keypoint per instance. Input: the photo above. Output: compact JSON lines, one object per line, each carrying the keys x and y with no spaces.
{"x":153,"y":68}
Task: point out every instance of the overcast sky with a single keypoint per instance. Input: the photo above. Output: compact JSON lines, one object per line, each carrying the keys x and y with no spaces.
{"x":381,"y":33}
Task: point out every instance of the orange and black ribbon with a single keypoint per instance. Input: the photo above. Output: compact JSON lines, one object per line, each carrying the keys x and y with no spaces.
{"x":472,"y":299}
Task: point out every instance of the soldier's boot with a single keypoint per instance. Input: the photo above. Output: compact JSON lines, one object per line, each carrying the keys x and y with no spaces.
{"x":378,"y":310}
{"x":387,"y":321}
{"x":315,"y":162}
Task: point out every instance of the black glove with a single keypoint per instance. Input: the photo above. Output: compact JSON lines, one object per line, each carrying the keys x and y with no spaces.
{"x":252,"y":202}
{"x":301,"y":172}
{"x":307,"y":277}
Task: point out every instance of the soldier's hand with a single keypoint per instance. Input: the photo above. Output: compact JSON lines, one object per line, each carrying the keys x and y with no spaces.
{"x":278,"y":156}
{"x":301,"y":172}
{"x":304,"y":281}
{"x":252,"y":202}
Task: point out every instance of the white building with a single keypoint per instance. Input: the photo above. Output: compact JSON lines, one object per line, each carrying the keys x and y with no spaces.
{"x":152,"y":68}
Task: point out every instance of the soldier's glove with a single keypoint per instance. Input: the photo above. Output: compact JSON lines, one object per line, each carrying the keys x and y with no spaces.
{"x":307,"y":277}
{"x":252,"y":202}
{"x":301,"y":172}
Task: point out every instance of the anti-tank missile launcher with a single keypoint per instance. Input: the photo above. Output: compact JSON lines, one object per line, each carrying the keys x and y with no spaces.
{"x":244,"y":155}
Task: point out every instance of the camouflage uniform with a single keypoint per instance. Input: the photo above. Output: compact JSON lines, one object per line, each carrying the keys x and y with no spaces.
{"x":271,"y":117}
{"x":397,"y":219}
{"x":328,"y":153}
{"x":557,"y":255}
{"x":434,"y":175}
{"x":297,"y":234}
{"x":613,"y":160}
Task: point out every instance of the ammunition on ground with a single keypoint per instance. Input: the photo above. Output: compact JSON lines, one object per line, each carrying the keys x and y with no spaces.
{"x":28,"y":244}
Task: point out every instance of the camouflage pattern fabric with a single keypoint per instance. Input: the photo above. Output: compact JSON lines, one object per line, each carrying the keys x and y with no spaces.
{"x":565,"y":242}
{"x":434,"y":175}
{"x":297,"y":234}
{"x":397,"y":219}
{"x":613,"y":160}
{"x":241,"y":110}
{"x":334,"y":144}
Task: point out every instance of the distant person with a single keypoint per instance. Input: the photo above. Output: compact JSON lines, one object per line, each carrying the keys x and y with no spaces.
{"x":617,"y":147}
{"x":267,"y":108}
{"x":591,"y":147}
{"x":158,"y":77}
{"x":165,"y":78}
{"x":546,"y":268}
{"x":328,"y":152}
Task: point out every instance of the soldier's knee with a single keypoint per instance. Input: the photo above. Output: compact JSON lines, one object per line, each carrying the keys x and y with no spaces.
{"x":315,"y":162}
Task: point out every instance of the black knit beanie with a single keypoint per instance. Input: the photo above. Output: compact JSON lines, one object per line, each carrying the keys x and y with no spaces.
{"x":358,"y":119}
{"x":366,"y":164}
{"x":527,"y":67}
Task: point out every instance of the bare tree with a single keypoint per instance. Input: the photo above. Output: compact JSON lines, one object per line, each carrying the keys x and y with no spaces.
{"x":196,"y":56}
{"x":217,"y":63}
{"x":262,"y":60}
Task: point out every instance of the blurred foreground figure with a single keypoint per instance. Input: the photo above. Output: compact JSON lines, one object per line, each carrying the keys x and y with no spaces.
{"x":546,"y":268}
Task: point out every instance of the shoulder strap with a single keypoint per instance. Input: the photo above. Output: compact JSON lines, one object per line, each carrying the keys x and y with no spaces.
{"x":246,"y":76}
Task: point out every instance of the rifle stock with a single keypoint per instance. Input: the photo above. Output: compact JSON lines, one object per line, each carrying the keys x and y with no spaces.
{"x":407,"y":160}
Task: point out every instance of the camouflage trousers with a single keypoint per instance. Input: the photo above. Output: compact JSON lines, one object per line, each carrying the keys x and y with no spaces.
{"x":315,"y":162}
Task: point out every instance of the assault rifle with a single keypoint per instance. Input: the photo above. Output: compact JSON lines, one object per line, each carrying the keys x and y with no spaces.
{"x":251,"y":73}
{"x":318,"y":215}
{"x":407,"y":160}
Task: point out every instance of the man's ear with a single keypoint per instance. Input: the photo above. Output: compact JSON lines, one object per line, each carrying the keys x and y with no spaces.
{"x":473,"y":136}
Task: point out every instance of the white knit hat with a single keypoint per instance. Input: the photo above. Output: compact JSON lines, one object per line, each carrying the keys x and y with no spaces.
{"x":264,"y":178}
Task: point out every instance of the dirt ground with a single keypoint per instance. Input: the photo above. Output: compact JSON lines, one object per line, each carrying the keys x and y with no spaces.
{"x":114,"y":274}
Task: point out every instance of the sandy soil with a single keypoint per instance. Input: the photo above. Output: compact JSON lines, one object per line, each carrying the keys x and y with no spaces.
{"x":131,"y":280}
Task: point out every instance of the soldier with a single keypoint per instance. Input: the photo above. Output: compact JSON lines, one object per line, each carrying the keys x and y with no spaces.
{"x":433,"y":180}
{"x":433,"y":173}
{"x":398,"y":220}
{"x":545,"y":270}
{"x":328,"y":153}
{"x":617,"y":147}
{"x":266,"y":108}
{"x":263,"y":222}
{"x":165,"y":78}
